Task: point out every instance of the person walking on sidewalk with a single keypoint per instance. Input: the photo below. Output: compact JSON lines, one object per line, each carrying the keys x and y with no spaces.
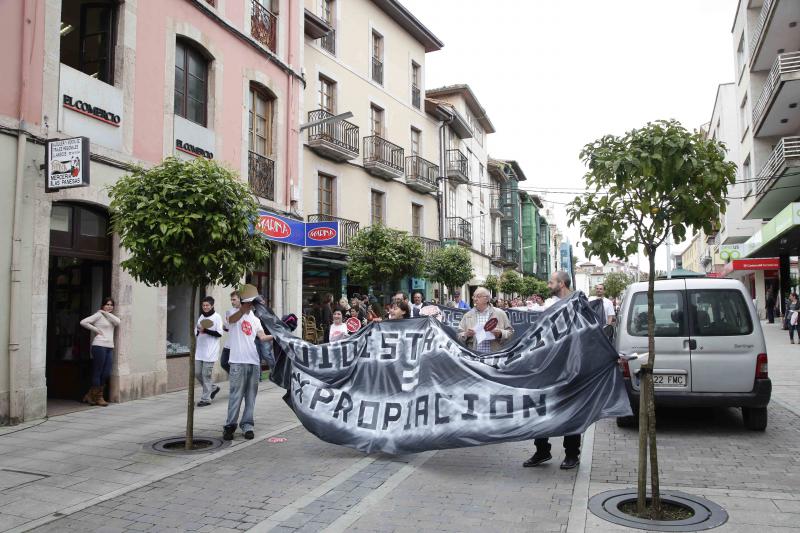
{"x":559,"y":288}
{"x":793,"y":313}
{"x":245,"y":365}
{"x":102,"y":324}
{"x":770,"y":306}
{"x":226,"y":346}
{"x":209,"y":330}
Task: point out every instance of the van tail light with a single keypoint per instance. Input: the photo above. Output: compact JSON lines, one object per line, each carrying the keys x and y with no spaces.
{"x":762,"y":366}
{"x":626,"y":370}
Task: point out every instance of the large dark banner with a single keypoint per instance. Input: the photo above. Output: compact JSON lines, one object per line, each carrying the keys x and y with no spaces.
{"x":408,"y":386}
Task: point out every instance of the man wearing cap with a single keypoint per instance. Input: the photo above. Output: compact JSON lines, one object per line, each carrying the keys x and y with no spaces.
{"x":461,"y":304}
{"x":245,"y":365}
{"x":208,"y":332}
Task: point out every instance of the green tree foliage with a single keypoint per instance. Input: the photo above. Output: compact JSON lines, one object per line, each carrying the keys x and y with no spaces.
{"x":532,"y":285}
{"x":450,"y":265}
{"x":378,"y":254}
{"x":511,"y":282}
{"x":644,"y":186}
{"x":492,"y":283}
{"x":186,"y":223}
{"x":616,"y":282}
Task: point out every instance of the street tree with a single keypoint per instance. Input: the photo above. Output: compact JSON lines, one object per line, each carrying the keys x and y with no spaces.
{"x":492,"y":283}
{"x":378,"y":254}
{"x":532,"y":285}
{"x":644,"y":186}
{"x":615,"y":283}
{"x":186,"y":223}
{"x":450,"y":265}
{"x":511,"y":282}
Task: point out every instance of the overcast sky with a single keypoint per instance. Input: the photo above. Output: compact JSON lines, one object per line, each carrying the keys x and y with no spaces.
{"x":554,"y":76}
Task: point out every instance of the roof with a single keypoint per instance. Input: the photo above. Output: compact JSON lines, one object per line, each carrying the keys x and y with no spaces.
{"x":472,"y":102}
{"x":401,"y":15}
{"x":500,"y":165}
{"x":516,"y":167}
{"x":445,"y":111}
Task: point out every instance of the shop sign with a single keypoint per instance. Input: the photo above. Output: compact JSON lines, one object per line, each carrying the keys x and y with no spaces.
{"x":66,"y":163}
{"x":762,"y":263}
{"x":729,"y":252}
{"x":322,"y":234}
{"x":93,"y":111}
{"x":192,"y":149}
{"x":296,"y":232}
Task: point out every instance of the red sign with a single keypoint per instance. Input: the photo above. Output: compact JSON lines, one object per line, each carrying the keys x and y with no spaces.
{"x":322,"y":234}
{"x":490,"y":324}
{"x":762,"y":263}
{"x":353,"y":324}
{"x":273,"y":227}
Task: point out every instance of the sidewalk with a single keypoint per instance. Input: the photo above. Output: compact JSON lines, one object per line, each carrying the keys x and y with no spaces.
{"x":66,"y":462}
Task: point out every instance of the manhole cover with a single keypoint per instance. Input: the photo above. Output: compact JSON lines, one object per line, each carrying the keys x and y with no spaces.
{"x":176,"y":445}
{"x":706,"y":514}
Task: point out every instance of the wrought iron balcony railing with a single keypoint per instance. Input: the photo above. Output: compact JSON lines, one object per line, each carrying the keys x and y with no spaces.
{"x":457,"y":166}
{"x":263,"y":25}
{"x":377,"y":70}
{"x":421,"y":174}
{"x":382,"y":157}
{"x":340,"y":138}
{"x":429,"y":244}
{"x":459,"y":229}
{"x":261,"y":175}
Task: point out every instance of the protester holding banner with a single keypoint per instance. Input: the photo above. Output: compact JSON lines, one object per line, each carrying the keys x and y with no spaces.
{"x":399,"y":310}
{"x":608,"y":307}
{"x":484,"y":327}
{"x":416,"y":304}
{"x":338,"y":329}
{"x":559,"y":288}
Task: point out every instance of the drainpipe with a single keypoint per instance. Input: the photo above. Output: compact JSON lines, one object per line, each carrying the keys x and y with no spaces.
{"x":443,"y":178}
{"x":16,"y":239}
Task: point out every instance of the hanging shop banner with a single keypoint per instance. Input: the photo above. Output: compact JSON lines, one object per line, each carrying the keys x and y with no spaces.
{"x":406,"y":386}
{"x":66,"y":163}
{"x":296,"y":232}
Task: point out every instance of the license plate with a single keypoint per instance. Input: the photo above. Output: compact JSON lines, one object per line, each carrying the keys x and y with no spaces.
{"x":669,"y":380}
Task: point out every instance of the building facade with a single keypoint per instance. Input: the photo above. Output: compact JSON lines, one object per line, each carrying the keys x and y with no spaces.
{"x":142,"y":81}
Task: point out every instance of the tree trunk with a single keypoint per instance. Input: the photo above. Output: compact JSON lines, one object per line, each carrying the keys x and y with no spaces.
{"x":641,"y":501}
{"x":190,"y":389}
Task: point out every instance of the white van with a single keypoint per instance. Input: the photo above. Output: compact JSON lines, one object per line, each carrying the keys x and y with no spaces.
{"x":710,"y":349}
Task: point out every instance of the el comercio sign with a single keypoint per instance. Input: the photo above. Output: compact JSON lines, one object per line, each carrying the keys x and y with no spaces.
{"x":85,"y":108}
{"x":192,"y":149}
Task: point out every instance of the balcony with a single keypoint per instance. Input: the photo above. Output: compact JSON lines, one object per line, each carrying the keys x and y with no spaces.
{"x":500,"y":206}
{"x":773,"y":33}
{"x":416,"y":96}
{"x":776,"y":112}
{"x":382,"y":158}
{"x":347,"y":230}
{"x":429,"y":244}
{"x":459,"y":229}
{"x":377,"y":70}
{"x":421,"y":174}
{"x":779,"y":180}
{"x":328,"y":43}
{"x":333,"y":140}
{"x":457,"y":166}
{"x":263,"y":25}
{"x":261,"y":175}
{"x":503,"y":256}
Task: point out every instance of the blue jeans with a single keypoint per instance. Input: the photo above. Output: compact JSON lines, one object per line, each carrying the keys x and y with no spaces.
{"x":102,"y":359}
{"x":265,"y":353}
{"x":203,"y":374}
{"x":243,"y":386}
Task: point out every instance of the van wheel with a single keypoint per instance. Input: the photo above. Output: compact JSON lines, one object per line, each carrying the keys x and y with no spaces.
{"x":627,"y":421}
{"x":755,"y":418}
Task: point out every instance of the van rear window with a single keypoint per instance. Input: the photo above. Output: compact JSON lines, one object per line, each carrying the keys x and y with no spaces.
{"x":718,"y":313}
{"x":669,"y":314}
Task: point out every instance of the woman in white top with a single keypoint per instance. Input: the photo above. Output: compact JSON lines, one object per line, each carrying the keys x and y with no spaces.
{"x":338,"y":329}
{"x":102,"y":324}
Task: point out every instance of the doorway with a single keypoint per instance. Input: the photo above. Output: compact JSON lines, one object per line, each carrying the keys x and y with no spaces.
{"x":79,"y":277}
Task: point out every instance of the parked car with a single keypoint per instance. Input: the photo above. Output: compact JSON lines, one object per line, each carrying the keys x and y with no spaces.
{"x":709,"y":347}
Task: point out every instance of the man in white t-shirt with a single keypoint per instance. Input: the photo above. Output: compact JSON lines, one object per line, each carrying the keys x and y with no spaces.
{"x":245,"y":364}
{"x":208,"y":331}
{"x":608,"y":307}
{"x":224,"y":360}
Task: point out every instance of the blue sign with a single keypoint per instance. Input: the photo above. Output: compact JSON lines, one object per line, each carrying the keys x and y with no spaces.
{"x":296,"y":232}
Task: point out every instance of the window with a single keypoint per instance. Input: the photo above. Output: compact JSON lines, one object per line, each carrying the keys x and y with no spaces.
{"x":747,"y":176}
{"x":327,"y":14}
{"x":718,"y":313}
{"x":327,"y":95}
{"x":377,"y":208}
{"x":191,"y":80}
{"x":415,"y":136}
{"x":451,"y":202}
{"x":416,"y":220}
{"x":377,"y":57}
{"x":178,"y":298}
{"x":88,"y":36}
{"x":326,"y":195}
{"x":669,"y":314}
{"x":483,"y":236}
{"x":740,"y":54}
{"x":416,"y":93}
{"x":376,"y":120}
{"x":469,"y":211}
{"x":743,"y":118}
{"x":260,"y":122}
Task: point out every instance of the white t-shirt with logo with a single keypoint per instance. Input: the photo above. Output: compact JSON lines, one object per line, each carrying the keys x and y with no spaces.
{"x":208,"y":345}
{"x":242,"y":338}
{"x":338,"y":332}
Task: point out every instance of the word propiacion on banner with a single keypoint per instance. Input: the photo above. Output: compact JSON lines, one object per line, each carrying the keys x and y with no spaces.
{"x":296,"y":232}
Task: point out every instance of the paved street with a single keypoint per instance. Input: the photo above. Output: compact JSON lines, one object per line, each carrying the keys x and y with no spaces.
{"x":87,"y":471}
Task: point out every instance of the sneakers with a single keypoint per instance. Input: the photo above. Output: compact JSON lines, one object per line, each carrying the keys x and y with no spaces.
{"x":537,"y":459}
{"x":249,"y":435}
{"x":227,"y":432}
{"x":203,"y":403}
{"x":214,"y":392}
{"x":570,"y":463}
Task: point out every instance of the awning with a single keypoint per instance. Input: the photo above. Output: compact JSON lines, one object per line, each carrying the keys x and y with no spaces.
{"x":779,"y":236}
{"x":760,"y":263}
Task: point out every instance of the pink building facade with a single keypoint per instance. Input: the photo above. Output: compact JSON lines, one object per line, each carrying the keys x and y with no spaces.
{"x":142,"y":80}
